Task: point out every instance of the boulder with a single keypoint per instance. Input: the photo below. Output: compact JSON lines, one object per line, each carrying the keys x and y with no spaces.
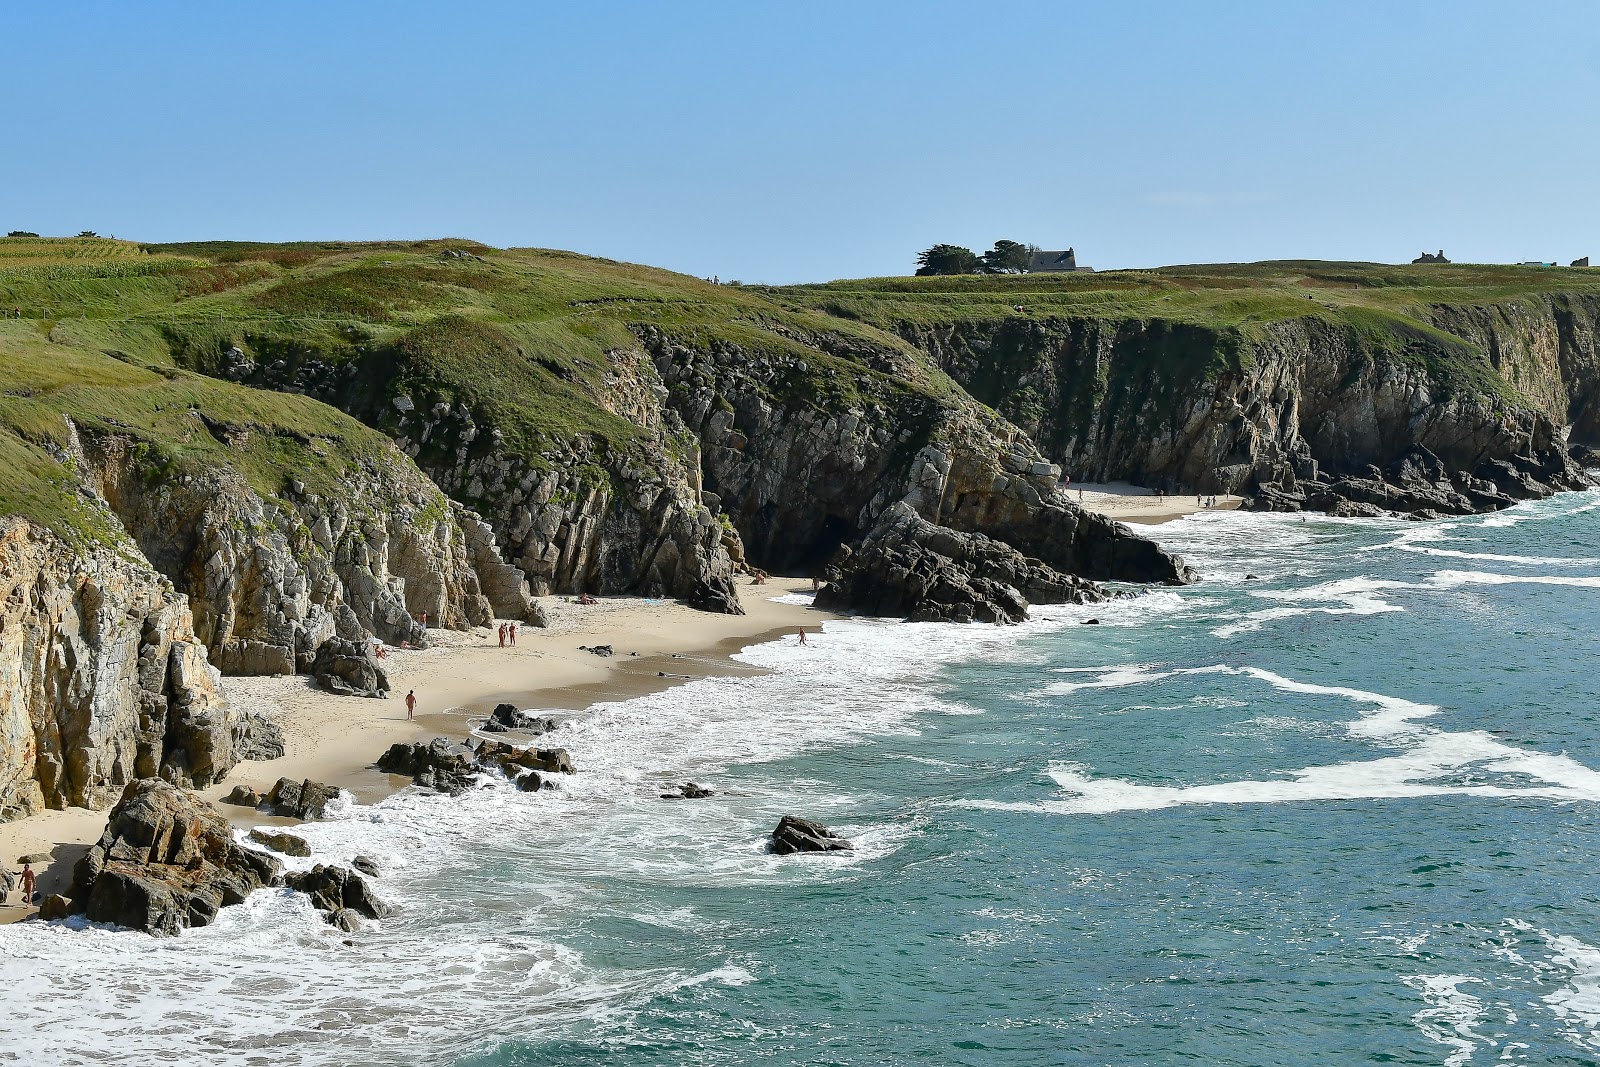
{"x":794,"y":834}
{"x":530,"y":782}
{"x":288,"y":844}
{"x":166,"y":861}
{"x":301,"y":800}
{"x":689,"y":791}
{"x":439,"y":764}
{"x":257,"y":738}
{"x":334,"y":888}
{"x":55,"y":906}
{"x":348,"y":668}
{"x":366,"y":865}
{"x":508,"y":717}
{"x":243,"y":796}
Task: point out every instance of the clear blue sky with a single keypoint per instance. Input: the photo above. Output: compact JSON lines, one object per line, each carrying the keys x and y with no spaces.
{"x":806,"y":141}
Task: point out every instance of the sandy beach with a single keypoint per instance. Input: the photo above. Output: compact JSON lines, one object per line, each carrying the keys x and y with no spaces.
{"x":458,"y":681}
{"x":1132,"y":503}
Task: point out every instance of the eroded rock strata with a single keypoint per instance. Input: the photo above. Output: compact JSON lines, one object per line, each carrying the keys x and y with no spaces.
{"x":1467,"y":408}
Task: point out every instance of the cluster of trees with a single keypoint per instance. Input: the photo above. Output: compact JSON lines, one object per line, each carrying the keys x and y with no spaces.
{"x":30,"y":233}
{"x":1006,"y":257}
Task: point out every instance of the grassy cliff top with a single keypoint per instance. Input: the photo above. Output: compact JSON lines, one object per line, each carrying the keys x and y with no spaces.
{"x":1218,"y":295}
{"x":518,"y":335}
{"x":123,"y":335}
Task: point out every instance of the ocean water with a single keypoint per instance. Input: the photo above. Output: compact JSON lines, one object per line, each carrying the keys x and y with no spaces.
{"x":1343,"y":812}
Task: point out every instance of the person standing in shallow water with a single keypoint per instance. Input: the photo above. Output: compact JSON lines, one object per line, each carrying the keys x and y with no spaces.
{"x":802,"y":635}
{"x":411,"y":704}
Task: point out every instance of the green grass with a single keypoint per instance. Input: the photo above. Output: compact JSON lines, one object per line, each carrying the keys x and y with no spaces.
{"x":120,"y":335}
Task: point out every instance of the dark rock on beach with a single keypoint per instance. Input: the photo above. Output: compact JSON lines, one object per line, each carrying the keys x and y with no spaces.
{"x":794,"y":834}
{"x":301,"y":800}
{"x":288,"y":844}
{"x":166,"y":861}
{"x":909,"y":567}
{"x":347,"y":667}
{"x":450,"y":767}
{"x":507,"y":717}
{"x":244,"y":796}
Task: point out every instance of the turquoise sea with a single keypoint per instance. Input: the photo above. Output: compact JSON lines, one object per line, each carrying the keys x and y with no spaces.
{"x":1341,"y":812}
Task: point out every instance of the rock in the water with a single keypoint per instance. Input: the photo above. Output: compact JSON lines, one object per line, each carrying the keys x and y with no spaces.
{"x":794,"y":834}
{"x":166,"y":860}
{"x":243,"y":796}
{"x":333,"y":888}
{"x":509,"y":717}
{"x":347,"y":667}
{"x":346,"y":919}
{"x":288,"y":844}
{"x":530,"y":782}
{"x":910,"y":568}
{"x":301,"y":800}
{"x":55,"y":906}
{"x":689,"y":791}
{"x":440,"y":764}
{"x":366,"y":865}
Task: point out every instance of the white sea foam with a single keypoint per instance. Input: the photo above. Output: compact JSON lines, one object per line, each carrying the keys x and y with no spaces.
{"x":1452,"y":1015}
{"x":1346,"y":596}
{"x":1432,"y":762}
{"x":481,"y":882}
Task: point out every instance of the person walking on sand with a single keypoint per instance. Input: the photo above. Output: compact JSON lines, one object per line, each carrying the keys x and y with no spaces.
{"x":411,"y":704}
{"x":28,"y":883}
{"x":502,"y":635}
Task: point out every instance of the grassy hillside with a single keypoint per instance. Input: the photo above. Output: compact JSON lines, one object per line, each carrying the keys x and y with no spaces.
{"x":123,"y":335}
{"x":1216,"y":295}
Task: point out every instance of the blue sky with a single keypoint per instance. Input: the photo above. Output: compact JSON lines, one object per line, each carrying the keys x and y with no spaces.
{"x":795,"y":142}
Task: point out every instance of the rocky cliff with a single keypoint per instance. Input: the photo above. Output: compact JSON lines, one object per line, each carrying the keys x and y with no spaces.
{"x":270,"y":579}
{"x":102,"y":678}
{"x":1300,"y":410}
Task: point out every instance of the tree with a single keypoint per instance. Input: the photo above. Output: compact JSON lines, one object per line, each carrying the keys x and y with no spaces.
{"x":947,"y":259}
{"x":1008,"y":257}
{"x":88,"y":233}
{"x":22,"y":233}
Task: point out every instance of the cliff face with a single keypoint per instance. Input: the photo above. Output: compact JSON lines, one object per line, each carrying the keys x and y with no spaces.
{"x":580,"y":516}
{"x":804,"y":463}
{"x":270,"y":580}
{"x":1296,"y":403}
{"x":102,"y":678}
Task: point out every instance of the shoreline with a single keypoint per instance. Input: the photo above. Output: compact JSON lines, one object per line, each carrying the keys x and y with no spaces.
{"x":1125,"y":502}
{"x":459,"y":679}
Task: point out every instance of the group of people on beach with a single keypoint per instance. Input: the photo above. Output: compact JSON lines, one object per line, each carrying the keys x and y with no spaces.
{"x":508,"y":632}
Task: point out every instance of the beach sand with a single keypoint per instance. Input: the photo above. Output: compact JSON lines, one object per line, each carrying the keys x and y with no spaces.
{"x":458,"y":681}
{"x":1132,"y":503}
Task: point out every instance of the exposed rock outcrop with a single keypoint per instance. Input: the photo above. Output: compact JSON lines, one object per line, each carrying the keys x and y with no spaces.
{"x":794,"y":834}
{"x":348,"y":668}
{"x":909,"y":567}
{"x":166,"y":861}
{"x":102,"y":679}
{"x":1291,"y":408}
{"x":451,"y":767}
{"x":271,"y":580}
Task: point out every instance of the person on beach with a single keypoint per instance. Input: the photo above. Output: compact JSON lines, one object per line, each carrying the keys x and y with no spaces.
{"x":815,"y":585}
{"x":502,"y":635}
{"x":511,"y":632}
{"x":802,"y":635}
{"x":28,"y":883}
{"x":411,"y":704}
